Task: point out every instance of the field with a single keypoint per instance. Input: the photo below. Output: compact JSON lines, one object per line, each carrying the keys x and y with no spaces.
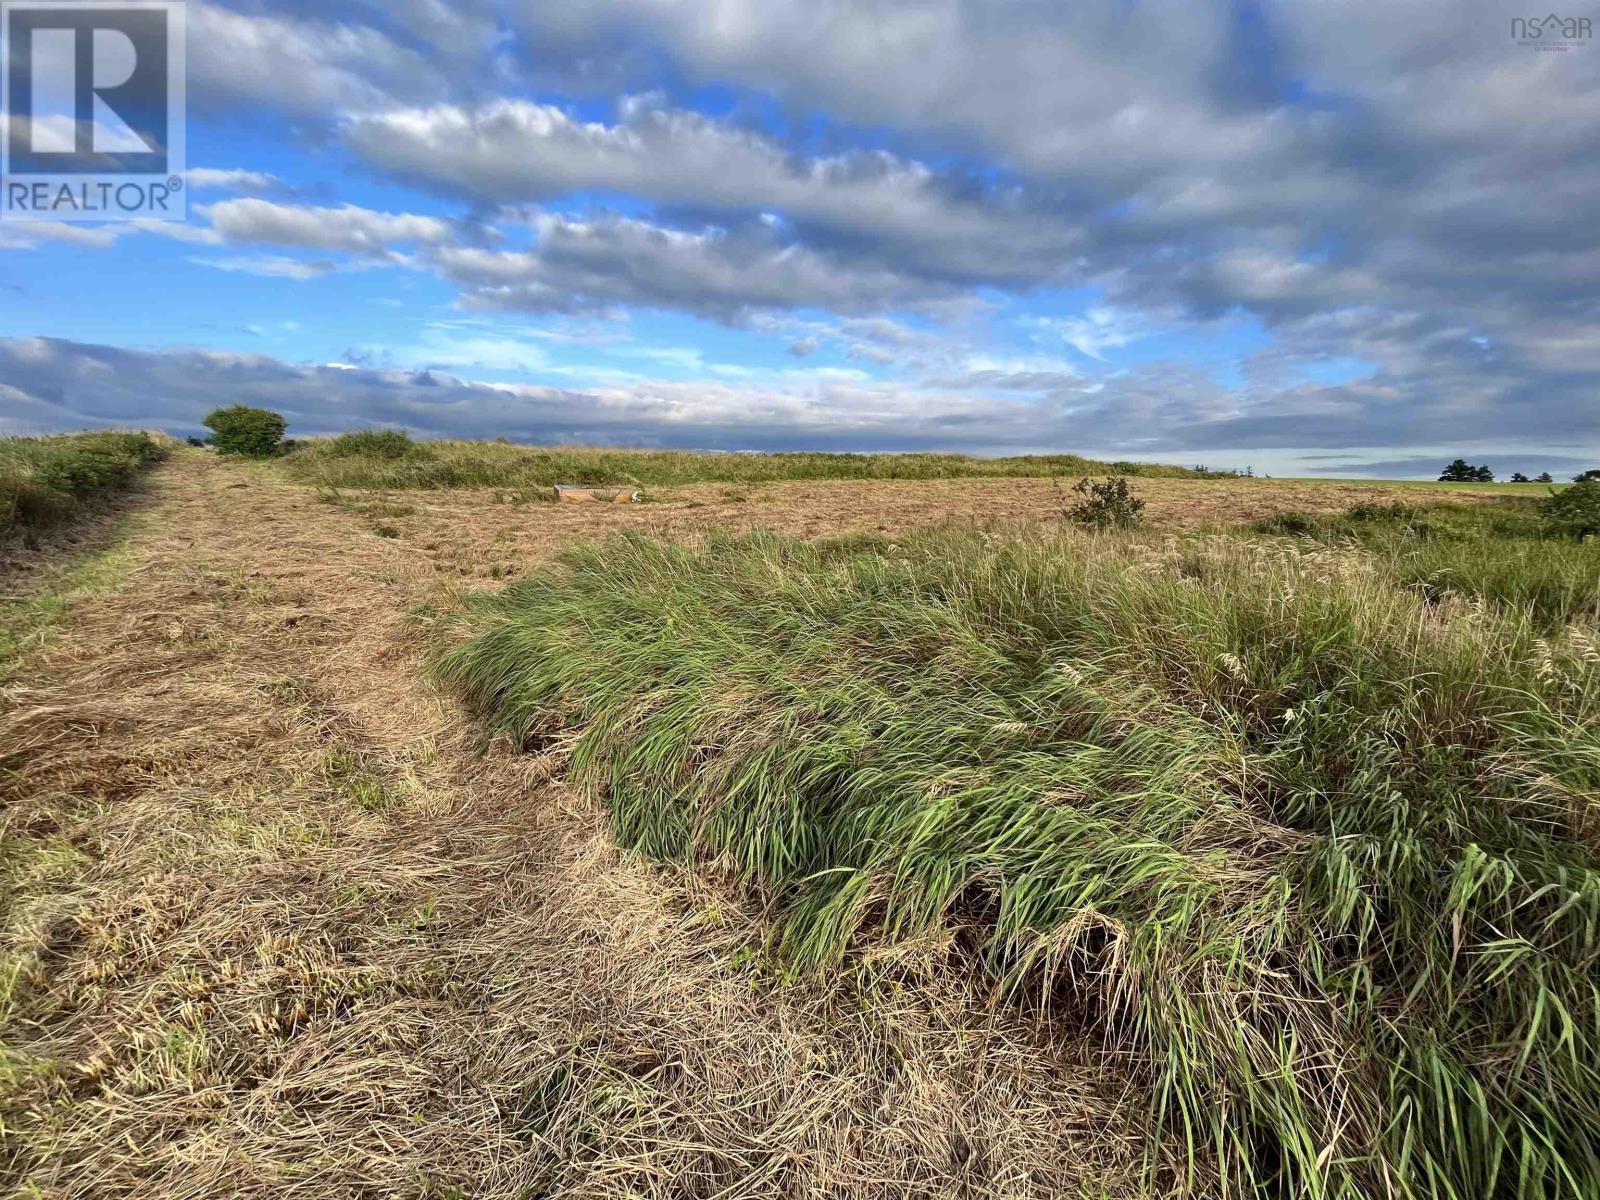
{"x":389,"y":459}
{"x":830,"y":844}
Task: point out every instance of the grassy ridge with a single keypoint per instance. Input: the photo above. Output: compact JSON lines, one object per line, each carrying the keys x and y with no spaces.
{"x":1501,"y":553}
{"x":48,"y":479}
{"x":1320,"y":855}
{"x":374,"y":460}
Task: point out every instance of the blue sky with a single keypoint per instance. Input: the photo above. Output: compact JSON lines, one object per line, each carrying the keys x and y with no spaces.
{"x":1330,"y":236}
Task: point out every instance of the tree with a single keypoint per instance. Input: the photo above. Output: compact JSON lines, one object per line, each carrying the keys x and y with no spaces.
{"x":251,"y":432}
{"x":1544,"y":477}
{"x":1573,"y":512}
{"x":1459,"y":471}
{"x":1586,"y":476}
{"x":1519,"y":477}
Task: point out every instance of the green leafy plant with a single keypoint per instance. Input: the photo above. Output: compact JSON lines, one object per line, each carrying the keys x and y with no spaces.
{"x":1106,"y":504}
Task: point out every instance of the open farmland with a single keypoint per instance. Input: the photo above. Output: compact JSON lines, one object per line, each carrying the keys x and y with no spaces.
{"x":982,"y":863}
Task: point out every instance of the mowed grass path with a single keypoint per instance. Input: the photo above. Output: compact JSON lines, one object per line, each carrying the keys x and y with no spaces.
{"x":272,"y":925}
{"x":1317,"y":851}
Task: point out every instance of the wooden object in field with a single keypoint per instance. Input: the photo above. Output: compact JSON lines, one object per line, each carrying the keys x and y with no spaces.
{"x":572,"y":494}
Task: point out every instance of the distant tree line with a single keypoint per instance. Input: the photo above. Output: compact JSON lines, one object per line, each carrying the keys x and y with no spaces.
{"x":1461,"y":471}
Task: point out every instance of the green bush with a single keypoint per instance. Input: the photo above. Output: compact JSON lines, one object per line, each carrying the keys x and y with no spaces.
{"x":245,"y":431}
{"x":1573,"y":512}
{"x":45,"y":479}
{"x":1106,"y":504}
{"x":376,"y":443}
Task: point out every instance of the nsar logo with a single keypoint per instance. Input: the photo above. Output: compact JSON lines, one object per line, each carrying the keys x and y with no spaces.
{"x":1551,"y":32}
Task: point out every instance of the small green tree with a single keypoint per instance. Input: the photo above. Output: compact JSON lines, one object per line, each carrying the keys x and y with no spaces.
{"x":1544,"y":477}
{"x":250,"y":432}
{"x":1519,"y":477}
{"x":1106,"y":504}
{"x":1572,"y":512}
{"x":1586,"y":476}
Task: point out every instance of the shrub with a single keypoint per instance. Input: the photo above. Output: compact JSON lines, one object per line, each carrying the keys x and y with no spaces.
{"x":376,"y":443}
{"x":1106,"y":504}
{"x":1288,"y":524}
{"x":1573,"y":512}
{"x":249,"y":432}
{"x":89,"y":470}
{"x":43,"y":479}
{"x":1381,"y":512}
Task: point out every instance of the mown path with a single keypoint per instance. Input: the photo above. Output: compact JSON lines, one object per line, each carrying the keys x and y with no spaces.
{"x":275,"y":925}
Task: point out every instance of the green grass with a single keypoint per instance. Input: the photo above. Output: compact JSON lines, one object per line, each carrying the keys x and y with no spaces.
{"x":1313,"y":854}
{"x":47,"y":480}
{"x":387,"y":459}
{"x":1498,"y":552}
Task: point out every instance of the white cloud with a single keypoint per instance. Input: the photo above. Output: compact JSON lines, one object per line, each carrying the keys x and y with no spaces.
{"x":271,"y":266}
{"x":578,"y":265}
{"x":232,"y":180}
{"x":350,"y":229}
{"x":514,"y":151}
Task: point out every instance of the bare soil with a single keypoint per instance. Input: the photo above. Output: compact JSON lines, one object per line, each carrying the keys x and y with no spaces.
{"x":275,"y":923}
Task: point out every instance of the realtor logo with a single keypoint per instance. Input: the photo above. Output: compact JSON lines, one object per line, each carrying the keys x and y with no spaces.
{"x":93,"y":101}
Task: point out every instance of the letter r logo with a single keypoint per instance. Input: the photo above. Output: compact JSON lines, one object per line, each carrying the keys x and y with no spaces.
{"x":88,"y":87}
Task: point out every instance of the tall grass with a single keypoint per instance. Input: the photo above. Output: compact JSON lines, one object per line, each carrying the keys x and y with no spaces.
{"x":1500,"y":553}
{"x":48,"y":479}
{"x":1317,"y":856}
{"x":387,"y":459}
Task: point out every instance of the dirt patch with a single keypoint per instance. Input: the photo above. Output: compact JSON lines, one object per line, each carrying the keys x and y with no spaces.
{"x":275,"y":925}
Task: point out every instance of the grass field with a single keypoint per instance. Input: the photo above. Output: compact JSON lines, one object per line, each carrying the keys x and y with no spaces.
{"x":390,"y":460}
{"x":841,"y":845}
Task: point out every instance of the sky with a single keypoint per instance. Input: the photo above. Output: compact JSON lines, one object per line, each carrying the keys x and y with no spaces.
{"x":1341,"y":237}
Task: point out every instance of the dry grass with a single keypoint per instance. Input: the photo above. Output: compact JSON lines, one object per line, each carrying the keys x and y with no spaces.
{"x":490,"y":533}
{"x":273,"y":925}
